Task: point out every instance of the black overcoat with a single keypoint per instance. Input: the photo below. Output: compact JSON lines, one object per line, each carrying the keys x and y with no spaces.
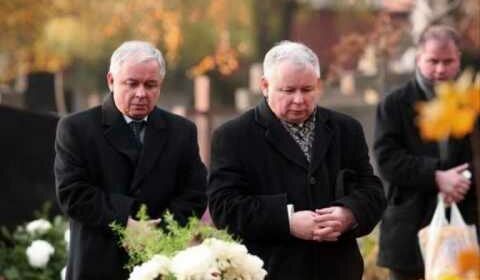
{"x":408,"y":165}
{"x":101,"y":178}
{"x":257,"y":169}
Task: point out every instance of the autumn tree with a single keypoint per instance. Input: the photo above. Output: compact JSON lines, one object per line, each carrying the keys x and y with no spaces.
{"x":79,"y":35}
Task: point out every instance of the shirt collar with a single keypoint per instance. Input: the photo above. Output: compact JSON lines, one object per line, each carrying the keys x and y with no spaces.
{"x":129,"y":120}
{"x":425,"y":84}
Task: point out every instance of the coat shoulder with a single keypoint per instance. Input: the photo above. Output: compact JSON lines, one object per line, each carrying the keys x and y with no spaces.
{"x":340,"y":120}
{"x":81,"y":118}
{"x":237,"y":125}
{"x":177,"y":120}
{"x":402,"y":93}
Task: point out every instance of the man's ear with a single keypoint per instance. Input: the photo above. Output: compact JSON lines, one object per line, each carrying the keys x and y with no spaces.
{"x":264,"y":86}
{"x":417,"y":55}
{"x":320,"y":86}
{"x":110,"y":81}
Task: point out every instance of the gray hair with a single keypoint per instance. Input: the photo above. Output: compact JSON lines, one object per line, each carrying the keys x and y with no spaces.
{"x":138,"y":51}
{"x":441,"y":33}
{"x":291,"y":51}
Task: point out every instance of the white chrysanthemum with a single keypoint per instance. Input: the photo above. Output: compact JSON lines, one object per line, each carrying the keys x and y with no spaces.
{"x":194,"y":263}
{"x":234,"y":261}
{"x":157,"y":265}
{"x":252,"y":266}
{"x":39,"y":253}
{"x":63,"y":273}
{"x":39,"y":226}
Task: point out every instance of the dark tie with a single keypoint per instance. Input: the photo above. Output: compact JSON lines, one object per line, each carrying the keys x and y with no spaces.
{"x":137,"y":127}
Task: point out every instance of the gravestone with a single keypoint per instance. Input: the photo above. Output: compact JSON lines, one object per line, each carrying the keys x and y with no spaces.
{"x":26,"y":168}
{"x":40,"y":92}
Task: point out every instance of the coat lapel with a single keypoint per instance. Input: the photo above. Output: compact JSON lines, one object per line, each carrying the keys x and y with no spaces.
{"x":116,"y":130}
{"x":278,"y":136}
{"x":415,"y":95}
{"x":322,"y":139}
{"x":153,"y":144}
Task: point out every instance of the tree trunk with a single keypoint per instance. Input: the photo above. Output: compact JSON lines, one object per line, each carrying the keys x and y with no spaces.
{"x":266,"y":34}
{"x":60,"y":94}
{"x":288,"y":12}
{"x":261,"y":25}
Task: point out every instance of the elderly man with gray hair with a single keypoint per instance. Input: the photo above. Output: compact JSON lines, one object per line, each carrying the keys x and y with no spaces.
{"x":292,"y":179}
{"x":112,"y":158}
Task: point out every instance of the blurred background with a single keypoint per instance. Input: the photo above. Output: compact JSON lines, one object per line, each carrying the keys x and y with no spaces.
{"x":54,"y":56}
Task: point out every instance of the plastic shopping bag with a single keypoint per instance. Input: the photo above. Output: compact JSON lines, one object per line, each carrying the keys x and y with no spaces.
{"x":442,"y":241}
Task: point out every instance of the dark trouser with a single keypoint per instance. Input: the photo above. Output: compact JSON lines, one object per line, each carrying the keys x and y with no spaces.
{"x":405,"y":275}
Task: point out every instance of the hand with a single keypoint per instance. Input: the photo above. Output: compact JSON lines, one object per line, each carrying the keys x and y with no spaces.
{"x":452,"y":183}
{"x":340,"y":219}
{"x":302,"y":224}
{"x":326,"y":233}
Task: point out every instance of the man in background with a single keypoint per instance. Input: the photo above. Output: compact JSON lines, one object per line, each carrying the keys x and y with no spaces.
{"x":416,"y":171}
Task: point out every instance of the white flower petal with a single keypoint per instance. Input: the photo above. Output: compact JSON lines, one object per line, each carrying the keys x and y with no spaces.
{"x":39,"y":252}
{"x":193,"y":263}
{"x":39,"y":226}
{"x":66,"y":236}
{"x":157,"y":265}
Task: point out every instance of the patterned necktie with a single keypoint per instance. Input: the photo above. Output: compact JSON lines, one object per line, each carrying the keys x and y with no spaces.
{"x":137,"y":127}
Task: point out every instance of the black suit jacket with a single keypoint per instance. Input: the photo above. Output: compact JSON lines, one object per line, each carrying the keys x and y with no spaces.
{"x":408,"y":165}
{"x":257,"y":169}
{"x":100,"y":177}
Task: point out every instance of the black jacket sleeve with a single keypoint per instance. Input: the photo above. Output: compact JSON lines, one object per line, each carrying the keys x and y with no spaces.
{"x":365,"y":196}
{"x":78,"y":198}
{"x":232,"y":205}
{"x":190,"y":198}
{"x":396,"y":163}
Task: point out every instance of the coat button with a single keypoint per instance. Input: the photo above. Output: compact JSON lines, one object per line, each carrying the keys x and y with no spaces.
{"x":313,"y":181}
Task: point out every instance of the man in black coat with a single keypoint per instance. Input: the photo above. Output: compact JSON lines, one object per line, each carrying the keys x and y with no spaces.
{"x":293,"y":180}
{"x":414,"y":169}
{"x":127,"y":152}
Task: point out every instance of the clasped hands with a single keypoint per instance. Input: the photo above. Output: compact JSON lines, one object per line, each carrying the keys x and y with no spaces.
{"x":325,"y":224}
{"x":453,"y":183}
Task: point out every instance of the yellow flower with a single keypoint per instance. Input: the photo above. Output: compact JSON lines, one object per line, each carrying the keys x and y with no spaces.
{"x":432,"y":120}
{"x":464,"y":122}
{"x":453,"y":111}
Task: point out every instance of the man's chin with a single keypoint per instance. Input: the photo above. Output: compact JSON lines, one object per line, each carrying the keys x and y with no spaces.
{"x":297,"y":120}
{"x":138,"y":115}
{"x":441,"y":80}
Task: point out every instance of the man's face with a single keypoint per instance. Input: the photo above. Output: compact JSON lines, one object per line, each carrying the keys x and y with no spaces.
{"x":292,"y":91}
{"x":438,"y":61}
{"x":136,"y":87}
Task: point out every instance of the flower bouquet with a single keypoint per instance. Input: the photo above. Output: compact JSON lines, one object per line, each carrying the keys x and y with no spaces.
{"x":195,"y":251}
{"x":34,"y":251}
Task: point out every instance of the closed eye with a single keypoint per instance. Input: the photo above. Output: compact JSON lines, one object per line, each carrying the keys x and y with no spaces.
{"x":131,"y":83}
